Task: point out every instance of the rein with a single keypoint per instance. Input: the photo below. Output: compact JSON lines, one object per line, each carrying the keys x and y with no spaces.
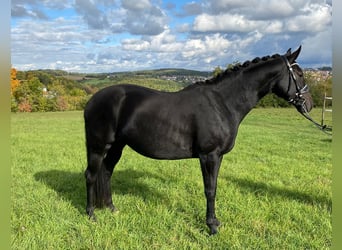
{"x":324,"y":128}
{"x":298,"y":99}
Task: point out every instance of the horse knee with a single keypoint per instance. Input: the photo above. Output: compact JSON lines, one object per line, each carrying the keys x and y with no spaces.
{"x":210,"y":194}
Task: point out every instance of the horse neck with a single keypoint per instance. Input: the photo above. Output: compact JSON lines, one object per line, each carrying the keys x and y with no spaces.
{"x":242,"y":90}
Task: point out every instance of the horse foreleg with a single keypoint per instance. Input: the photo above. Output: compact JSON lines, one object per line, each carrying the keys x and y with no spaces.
{"x":210,"y":165}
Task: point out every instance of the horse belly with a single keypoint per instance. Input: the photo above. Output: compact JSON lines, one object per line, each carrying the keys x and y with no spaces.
{"x":161,"y":140}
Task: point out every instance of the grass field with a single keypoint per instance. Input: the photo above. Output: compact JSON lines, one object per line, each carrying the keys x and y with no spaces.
{"x":274,"y":190}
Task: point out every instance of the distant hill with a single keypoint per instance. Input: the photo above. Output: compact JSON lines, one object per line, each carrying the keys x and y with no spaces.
{"x":153,"y":73}
{"x":326,"y":68}
{"x":164,"y":79}
{"x":173,"y":72}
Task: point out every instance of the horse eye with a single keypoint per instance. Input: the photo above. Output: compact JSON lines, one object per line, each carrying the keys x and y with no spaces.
{"x":299,"y":73}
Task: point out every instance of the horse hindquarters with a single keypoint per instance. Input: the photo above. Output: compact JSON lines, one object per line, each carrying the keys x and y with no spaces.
{"x":103,"y":152}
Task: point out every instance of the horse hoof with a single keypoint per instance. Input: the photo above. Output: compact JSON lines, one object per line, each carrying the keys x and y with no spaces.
{"x":93,"y":218}
{"x":113,"y":209}
{"x":213,"y":230}
{"x":213,"y":225}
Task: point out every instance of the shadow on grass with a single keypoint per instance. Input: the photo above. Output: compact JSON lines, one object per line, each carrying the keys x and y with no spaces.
{"x":263,"y":189}
{"x":71,"y":185}
{"x":327,"y":140}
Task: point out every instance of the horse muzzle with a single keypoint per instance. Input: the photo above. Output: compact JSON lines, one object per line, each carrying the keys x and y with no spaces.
{"x":304,"y":103}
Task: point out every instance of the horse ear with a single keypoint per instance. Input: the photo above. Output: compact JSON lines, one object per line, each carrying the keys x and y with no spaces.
{"x":292,"y":57}
{"x":288,"y":52}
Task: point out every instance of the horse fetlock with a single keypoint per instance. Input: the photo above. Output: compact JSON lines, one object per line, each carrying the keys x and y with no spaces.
{"x":213,"y":221}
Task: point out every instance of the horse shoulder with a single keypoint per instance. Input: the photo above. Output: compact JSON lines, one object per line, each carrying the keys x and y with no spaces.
{"x":216,"y":126}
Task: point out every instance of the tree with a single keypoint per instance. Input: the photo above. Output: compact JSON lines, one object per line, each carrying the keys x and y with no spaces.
{"x":319,"y":84}
{"x":24,"y":105}
{"x":233,"y":64}
{"x":14,"y":81}
{"x":217,"y":71}
{"x":28,"y":94}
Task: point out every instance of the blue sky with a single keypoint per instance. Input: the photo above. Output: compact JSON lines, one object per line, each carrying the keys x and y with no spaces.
{"x":124,"y":35}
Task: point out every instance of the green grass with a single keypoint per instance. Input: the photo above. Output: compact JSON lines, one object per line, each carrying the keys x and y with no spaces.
{"x":274,"y":190}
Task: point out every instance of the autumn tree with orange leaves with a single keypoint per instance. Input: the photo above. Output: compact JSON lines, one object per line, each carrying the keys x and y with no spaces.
{"x":43,"y":91}
{"x":14,"y":81}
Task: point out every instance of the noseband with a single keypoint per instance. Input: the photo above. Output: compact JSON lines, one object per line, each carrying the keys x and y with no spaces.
{"x":298,"y":98}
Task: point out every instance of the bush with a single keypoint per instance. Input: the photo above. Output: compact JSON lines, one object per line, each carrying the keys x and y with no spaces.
{"x":24,"y":106}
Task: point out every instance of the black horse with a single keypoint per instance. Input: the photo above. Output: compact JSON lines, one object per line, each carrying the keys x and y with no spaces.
{"x":199,"y":121}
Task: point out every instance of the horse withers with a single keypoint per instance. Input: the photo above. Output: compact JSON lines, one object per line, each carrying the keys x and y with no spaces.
{"x":199,"y":121}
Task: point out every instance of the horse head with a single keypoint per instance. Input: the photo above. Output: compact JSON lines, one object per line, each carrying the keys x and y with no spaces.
{"x":292,"y":86}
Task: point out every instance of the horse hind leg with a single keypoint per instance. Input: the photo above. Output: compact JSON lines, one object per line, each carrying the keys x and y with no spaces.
{"x":111,"y":159}
{"x":95,"y":160}
{"x":98,"y":175}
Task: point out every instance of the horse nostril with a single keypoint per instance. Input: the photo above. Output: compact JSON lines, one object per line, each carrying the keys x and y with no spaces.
{"x":309,"y":106}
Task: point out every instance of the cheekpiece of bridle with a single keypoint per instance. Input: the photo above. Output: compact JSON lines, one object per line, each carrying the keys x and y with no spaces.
{"x":298,"y":99}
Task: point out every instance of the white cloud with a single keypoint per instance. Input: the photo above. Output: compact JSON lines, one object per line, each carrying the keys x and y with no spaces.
{"x":135,"y":45}
{"x":251,"y":38}
{"x":256,"y":9}
{"x":220,"y":6}
{"x":164,"y":42}
{"x":93,"y":16}
{"x":235,"y":23}
{"x":224,"y":23}
{"x":114,"y":35}
{"x":273,"y":27}
{"x":135,"y":5}
{"x":317,"y":48}
{"x":315,"y":18}
{"x":269,"y":9}
{"x":206,"y":47}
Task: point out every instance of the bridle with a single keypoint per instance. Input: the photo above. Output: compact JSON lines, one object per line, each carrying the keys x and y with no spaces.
{"x":298,"y":99}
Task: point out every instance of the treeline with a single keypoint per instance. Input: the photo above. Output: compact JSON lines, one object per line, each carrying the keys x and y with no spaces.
{"x":42,"y":91}
{"x":50,"y":90}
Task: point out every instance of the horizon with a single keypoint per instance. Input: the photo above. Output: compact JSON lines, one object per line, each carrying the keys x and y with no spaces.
{"x":321,"y":68}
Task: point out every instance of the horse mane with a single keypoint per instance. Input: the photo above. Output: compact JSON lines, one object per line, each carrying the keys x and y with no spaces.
{"x":236,"y":68}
